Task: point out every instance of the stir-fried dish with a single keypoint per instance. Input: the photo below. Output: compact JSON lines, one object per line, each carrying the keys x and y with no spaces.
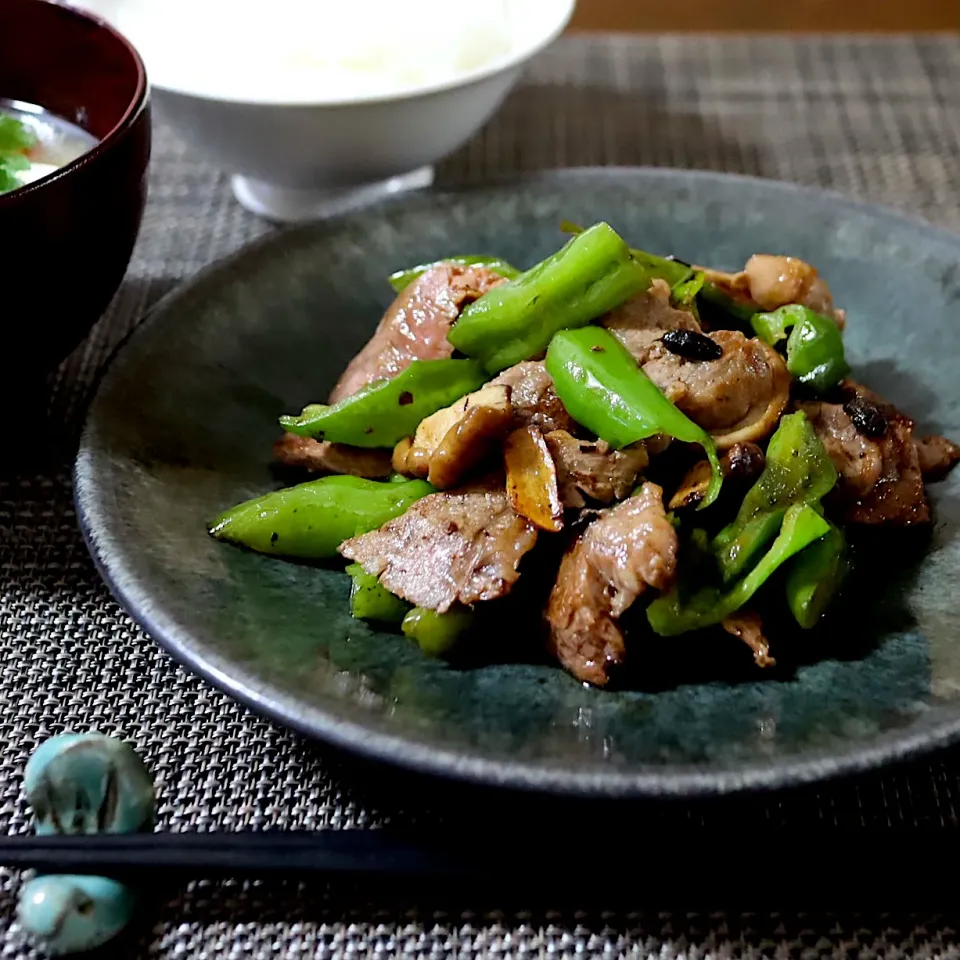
{"x":627,"y":432}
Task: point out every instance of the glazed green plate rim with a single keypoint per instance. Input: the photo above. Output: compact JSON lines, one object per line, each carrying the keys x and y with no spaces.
{"x":941,"y":727}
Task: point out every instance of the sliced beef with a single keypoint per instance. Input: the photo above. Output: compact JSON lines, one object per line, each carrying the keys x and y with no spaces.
{"x":533,"y":397}
{"x":413,"y":328}
{"x":858,"y":459}
{"x":880,"y":480}
{"x":325,"y":457}
{"x":459,"y":546}
{"x":937,"y":456}
{"x":738,"y":398}
{"x":898,"y":497}
{"x":416,"y":324}
{"x":769,"y":281}
{"x":630,"y":547}
{"x":641,"y":322}
{"x":591,"y":468}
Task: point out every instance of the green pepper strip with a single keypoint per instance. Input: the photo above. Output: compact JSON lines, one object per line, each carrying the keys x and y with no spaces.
{"x":387,"y":411}
{"x":603,"y":389}
{"x":684,"y":295}
{"x":797,"y":471}
{"x":311,"y":520}
{"x":591,"y":275}
{"x":403,"y":278}
{"x":371,"y":600}
{"x":740,"y":311}
{"x":669,"y":616}
{"x":815,"y":576}
{"x":815,"y":353}
{"x":437,"y":633}
{"x":675,"y":272}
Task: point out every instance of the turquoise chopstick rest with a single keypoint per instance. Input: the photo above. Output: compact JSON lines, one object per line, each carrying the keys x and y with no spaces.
{"x":83,"y":784}
{"x":88,"y":783}
{"x":73,"y":914}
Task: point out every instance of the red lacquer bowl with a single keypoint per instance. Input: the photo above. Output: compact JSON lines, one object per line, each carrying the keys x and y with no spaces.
{"x":66,"y":240}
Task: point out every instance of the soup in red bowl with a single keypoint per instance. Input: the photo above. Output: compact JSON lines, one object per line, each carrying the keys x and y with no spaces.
{"x":74,"y":151}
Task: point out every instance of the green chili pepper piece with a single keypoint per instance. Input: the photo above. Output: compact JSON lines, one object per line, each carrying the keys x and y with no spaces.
{"x":603,"y":389}
{"x":674,"y":272}
{"x":774,"y":326}
{"x":403,"y":278}
{"x":740,"y":311}
{"x":311,"y":520}
{"x":371,"y":600}
{"x":684,"y":294}
{"x":815,"y":576}
{"x":815,"y":354}
{"x":387,"y":411}
{"x":798,"y":470}
{"x":736,"y":553}
{"x":669,"y":615}
{"x":591,"y":275}
{"x":677,"y":273}
{"x":437,"y":633}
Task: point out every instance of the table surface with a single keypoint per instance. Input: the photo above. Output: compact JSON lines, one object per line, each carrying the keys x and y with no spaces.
{"x":876,"y":118}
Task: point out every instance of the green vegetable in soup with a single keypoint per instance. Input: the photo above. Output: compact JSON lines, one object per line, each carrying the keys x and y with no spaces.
{"x":15,"y":136}
{"x":16,"y":139}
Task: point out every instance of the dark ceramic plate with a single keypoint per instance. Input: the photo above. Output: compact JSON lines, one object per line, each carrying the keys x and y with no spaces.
{"x":185,"y":418}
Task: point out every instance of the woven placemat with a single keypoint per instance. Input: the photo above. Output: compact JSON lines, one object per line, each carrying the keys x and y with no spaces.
{"x":875,"y":118}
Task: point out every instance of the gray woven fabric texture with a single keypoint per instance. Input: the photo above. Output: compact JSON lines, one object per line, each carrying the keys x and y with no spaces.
{"x":875,"y":118}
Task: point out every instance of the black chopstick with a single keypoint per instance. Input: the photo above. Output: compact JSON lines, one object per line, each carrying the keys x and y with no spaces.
{"x":771,"y":867}
{"x":334,"y":852}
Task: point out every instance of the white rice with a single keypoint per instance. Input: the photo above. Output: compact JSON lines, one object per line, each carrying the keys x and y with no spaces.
{"x":303,"y":50}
